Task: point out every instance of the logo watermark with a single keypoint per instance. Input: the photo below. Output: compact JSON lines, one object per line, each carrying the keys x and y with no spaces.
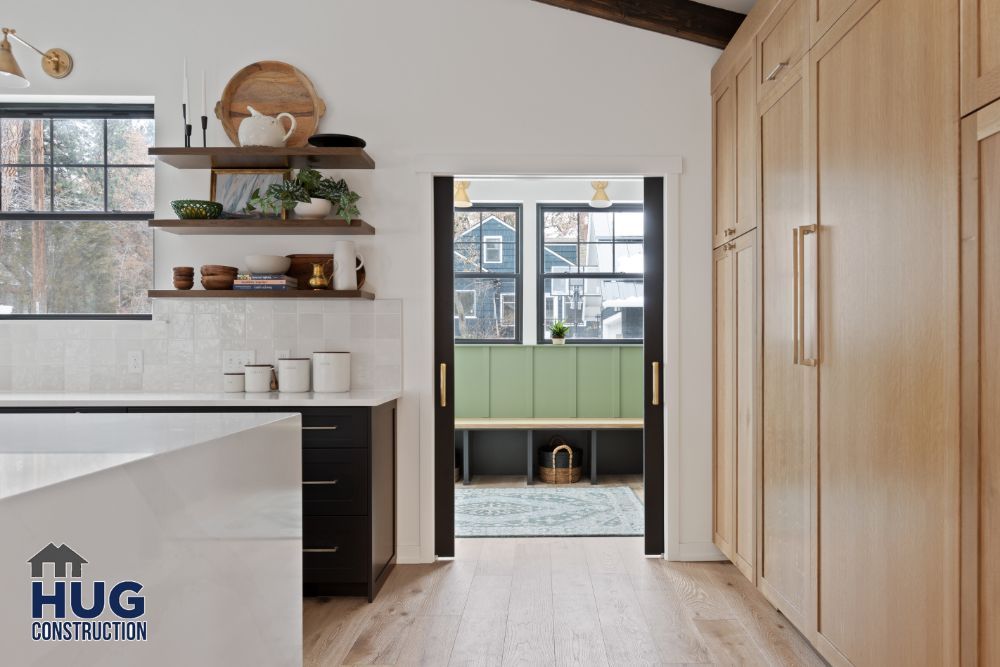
{"x":69,"y":610}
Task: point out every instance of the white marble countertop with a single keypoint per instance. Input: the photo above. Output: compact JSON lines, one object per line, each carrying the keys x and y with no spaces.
{"x":40,"y":450}
{"x":135,"y":399}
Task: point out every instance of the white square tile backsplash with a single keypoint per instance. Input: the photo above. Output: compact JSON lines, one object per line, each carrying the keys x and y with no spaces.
{"x":182,"y":346}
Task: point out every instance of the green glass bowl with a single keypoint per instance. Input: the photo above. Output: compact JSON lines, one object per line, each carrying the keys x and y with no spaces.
{"x":196,"y":209}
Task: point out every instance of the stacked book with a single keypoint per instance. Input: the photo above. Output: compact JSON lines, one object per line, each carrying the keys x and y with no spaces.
{"x":264,"y":281}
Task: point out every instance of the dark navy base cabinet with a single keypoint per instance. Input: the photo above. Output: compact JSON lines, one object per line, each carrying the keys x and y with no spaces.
{"x":348,"y":493}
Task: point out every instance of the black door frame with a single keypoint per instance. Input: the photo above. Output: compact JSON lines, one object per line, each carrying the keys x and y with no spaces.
{"x":444,"y":367}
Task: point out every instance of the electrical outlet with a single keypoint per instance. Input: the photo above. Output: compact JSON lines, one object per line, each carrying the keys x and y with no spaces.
{"x":233,"y":361}
{"x":282,"y":354}
{"x":135,"y":361}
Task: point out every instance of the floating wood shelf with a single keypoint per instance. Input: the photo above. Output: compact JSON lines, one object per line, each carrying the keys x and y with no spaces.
{"x":259,"y":294}
{"x":264,"y":226}
{"x":260,"y":157}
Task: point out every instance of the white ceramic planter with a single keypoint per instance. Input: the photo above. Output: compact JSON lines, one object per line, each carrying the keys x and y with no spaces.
{"x":314,"y":210}
{"x":558,"y":341}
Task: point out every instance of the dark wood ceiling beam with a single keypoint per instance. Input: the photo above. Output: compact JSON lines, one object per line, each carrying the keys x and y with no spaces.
{"x":678,"y":18}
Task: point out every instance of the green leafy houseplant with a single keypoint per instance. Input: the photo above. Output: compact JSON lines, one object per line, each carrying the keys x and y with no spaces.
{"x":338,"y":193}
{"x":558,"y":330}
{"x":278,"y":197}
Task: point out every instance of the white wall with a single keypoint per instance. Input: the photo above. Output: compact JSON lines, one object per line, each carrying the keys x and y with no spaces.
{"x":438,"y":77}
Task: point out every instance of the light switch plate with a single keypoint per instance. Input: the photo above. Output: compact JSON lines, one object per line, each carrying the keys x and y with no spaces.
{"x":135,"y":361}
{"x":233,"y":361}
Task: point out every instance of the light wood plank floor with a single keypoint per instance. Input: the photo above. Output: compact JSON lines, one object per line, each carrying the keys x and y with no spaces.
{"x":555,"y":601}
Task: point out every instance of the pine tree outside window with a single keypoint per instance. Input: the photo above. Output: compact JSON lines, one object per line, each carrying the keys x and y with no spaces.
{"x":76,"y":190}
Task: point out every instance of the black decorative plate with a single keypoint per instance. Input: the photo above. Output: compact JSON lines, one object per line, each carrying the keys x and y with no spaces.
{"x":336,"y":141}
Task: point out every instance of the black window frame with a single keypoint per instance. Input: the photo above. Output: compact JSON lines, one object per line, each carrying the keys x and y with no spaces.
{"x":518,"y":276}
{"x":541,"y":276}
{"x":20,"y":110}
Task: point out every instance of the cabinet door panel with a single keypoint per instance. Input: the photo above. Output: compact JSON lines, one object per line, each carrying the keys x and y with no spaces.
{"x":781,"y":43}
{"x":745,"y":334}
{"x":724,"y":164}
{"x":980,"y":53}
{"x":888,"y":334}
{"x":724,"y":450}
{"x":746,"y":148}
{"x":823,"y":14}
{"x":786,"y":448}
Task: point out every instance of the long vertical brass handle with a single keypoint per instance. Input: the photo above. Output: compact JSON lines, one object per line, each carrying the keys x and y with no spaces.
{"x":656,"y":383}
{"x":795,"y":295}
{"x":800,"y":307}
{"x":444,"y":385}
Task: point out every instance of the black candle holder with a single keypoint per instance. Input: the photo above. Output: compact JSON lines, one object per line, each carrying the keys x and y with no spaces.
{"x":187,"y":128}
{"x":204,"y":131}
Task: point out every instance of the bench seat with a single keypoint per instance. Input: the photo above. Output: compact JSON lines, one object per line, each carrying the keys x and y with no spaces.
{"x":531,"y":424}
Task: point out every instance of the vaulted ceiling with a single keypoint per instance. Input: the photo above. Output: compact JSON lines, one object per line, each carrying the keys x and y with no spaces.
{"x":712,"y":22}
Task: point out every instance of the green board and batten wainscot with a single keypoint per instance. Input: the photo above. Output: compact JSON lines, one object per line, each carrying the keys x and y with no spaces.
{"x":548,"y":381}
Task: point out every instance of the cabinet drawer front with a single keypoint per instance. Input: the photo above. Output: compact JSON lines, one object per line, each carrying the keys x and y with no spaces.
{"x":334,"y":549}
{"x":334,"y":481}
{"x":335,"y":428}
{"x":781,"y":44}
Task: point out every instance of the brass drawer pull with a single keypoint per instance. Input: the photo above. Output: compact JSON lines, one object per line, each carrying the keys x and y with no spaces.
{"x":329,"y":482}
{"x":730,"y":231}
{"x":331,"y":550}
{"x":319,"y":428}
{"x":773,"y":74}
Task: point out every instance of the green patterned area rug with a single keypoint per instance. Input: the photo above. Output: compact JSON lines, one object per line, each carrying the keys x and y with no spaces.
{"x":548,"y":511}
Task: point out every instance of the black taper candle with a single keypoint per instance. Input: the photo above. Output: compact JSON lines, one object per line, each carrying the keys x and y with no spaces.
{"x":184,"y":115}
{"x":204,"y":131}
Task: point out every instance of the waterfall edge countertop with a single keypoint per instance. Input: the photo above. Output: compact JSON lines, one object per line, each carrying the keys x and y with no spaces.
{"x":41,"y":450}
{"x":182,"y":532}
{"x":135,"y":399}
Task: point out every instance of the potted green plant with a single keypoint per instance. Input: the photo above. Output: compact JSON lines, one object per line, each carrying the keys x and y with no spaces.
{"x":558,"y":330}
{"x":325,"y":194}
{"x":277,"y":198}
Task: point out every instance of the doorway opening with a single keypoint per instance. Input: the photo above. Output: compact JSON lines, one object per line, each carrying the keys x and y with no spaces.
{"x":548,"y":329}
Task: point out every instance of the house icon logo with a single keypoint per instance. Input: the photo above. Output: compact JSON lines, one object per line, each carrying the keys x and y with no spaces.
{"x":60,"y":557}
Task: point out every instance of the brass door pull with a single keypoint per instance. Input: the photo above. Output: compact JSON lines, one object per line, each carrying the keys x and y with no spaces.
{"x":656,"y":383}
{"x":331,"y":550}
{"x":319,"y":428}
{"x":444,"y":385}
{"x":800,"y":234}
{"x":328,"y":482}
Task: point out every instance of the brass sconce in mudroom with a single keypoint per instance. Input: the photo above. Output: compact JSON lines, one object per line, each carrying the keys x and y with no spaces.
{"x":55,"y":62}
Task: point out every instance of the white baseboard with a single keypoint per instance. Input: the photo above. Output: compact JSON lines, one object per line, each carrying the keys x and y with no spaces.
{"x":695,"y":551}
{"x":409,"y":554}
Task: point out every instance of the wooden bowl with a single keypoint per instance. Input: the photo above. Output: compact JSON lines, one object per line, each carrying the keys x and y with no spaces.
{"x":219,"y":270}
{"x":183,"y":283}
{"x":183,"y":270}
{"x":218,"y":282}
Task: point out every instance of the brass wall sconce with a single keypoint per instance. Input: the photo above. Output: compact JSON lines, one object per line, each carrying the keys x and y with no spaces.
{"x":55,"y":62}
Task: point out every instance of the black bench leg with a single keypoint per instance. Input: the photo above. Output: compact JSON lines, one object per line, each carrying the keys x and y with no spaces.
{"x":593,"y":457}
{"x":466,"y":464}
{"x":531,"y":459}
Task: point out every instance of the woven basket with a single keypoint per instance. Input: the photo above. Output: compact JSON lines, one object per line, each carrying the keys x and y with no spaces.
{"x":550,"y":474}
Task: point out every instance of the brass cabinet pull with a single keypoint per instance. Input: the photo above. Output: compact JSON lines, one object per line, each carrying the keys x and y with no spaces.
{"x":729,"y":231}
{"x":656,"y":383}
{"x":773,"y":74}
{"x":331,"y":550}
{"x":319,"y":428}
{"x":444,"y":385}
{"x":326,"y":482}
{"x":800,"y":299}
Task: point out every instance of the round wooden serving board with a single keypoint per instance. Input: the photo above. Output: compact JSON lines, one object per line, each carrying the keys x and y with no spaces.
{"x":271,"y":87}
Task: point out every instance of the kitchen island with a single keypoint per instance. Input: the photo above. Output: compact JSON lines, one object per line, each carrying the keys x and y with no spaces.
{"x":348,"y":469}
{"x":154,"y":539}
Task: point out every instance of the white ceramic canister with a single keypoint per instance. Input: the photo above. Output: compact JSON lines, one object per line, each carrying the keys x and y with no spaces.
{"x":331,"y":372}
{"x":233,"y":383}
{"x":258,"y":378}
{"x":293,"y":375}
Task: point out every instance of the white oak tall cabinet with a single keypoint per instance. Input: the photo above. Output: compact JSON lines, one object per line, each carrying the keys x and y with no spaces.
{"x":860,"y":454}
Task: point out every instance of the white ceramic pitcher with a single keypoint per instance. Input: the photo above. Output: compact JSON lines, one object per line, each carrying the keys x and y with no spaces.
{"x":345,"y":271}
{"x":260,"y":130}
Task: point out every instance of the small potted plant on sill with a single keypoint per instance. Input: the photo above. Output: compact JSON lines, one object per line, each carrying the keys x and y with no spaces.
{"x":277,"y":199}
{"x":558,"y":330}
{"x":325,"y":194}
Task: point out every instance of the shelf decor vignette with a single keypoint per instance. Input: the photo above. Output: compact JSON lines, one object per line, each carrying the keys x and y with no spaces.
{"x":233,"y":187}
